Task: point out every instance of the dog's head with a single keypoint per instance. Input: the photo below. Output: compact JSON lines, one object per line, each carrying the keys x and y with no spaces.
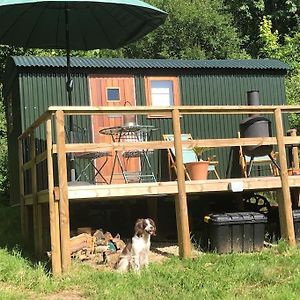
{"x":145,"y":225}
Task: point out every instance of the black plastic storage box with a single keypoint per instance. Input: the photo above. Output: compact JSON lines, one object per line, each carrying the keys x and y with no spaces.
{"x":236,"y":232}
{"x":296,"y":216}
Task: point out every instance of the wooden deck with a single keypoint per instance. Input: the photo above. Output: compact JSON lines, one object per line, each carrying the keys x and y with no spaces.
{"x":58,"y":197}
{"x":84,"y":192}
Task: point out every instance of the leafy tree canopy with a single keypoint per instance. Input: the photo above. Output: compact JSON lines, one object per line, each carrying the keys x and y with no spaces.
{"x":195,"y":29}
{"x":284,"y":15}
{"x":288,"y":51}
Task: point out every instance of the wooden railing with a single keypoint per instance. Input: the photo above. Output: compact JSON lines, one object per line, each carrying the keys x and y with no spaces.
{"x":59,"y":211}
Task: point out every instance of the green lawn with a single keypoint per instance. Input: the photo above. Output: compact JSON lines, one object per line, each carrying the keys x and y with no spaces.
{"x":271,"y":274}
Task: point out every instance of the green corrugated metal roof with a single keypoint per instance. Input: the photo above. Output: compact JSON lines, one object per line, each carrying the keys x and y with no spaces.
{"x":123,"y":63}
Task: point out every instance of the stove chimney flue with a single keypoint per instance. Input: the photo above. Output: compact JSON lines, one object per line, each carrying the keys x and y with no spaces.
{"x":252,"y":99}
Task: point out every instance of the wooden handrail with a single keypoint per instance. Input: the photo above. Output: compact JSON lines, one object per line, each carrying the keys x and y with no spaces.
{"x":91,"y":110}
{"x":207,"y":109}
{"x":211,"y":143}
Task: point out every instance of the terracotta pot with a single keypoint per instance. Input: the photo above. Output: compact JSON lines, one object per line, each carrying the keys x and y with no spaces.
{"x":197,"y":170}
{"x":293,"y":171}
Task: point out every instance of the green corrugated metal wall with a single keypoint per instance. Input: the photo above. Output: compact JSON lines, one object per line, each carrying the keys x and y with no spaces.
{"x":39,"y":91}
{"x":215,"y":89}
{"x":36,"y":92}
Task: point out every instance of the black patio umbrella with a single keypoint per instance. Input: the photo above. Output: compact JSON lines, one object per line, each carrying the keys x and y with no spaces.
{"x":76,"y":25}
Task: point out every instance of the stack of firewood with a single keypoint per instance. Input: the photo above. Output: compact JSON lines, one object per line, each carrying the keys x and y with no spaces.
{"x":87,"y":245}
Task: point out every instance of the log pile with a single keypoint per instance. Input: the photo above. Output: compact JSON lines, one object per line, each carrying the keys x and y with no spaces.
{"x":97,"y":245}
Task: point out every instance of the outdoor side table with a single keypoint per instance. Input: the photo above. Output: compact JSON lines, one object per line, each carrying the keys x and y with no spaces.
{"x":132,"y":133}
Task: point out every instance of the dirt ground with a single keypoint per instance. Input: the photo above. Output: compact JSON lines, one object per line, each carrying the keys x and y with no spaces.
{"x":159,"y":252}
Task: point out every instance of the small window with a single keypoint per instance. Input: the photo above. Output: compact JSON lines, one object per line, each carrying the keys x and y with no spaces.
{"x":162,"y":91}
{"x":113,"y":94}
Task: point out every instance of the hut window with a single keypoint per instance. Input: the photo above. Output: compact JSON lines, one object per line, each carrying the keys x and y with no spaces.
{"x":162,"y":91}
{"x":113,"y":94}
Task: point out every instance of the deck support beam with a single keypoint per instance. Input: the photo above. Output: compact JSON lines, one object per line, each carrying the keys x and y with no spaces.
{"x":295,"y":166}
{"x":285,"y":203}
{"x":23,"y":207}
{"x":63,"y":192}
{"x":37,"y":209}
{"x":53,"y":207}
{"x":182,"y":219}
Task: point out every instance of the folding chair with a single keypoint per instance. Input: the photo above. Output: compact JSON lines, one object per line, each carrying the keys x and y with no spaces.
{"x":188,"y":156}
{"x":85,"y":161}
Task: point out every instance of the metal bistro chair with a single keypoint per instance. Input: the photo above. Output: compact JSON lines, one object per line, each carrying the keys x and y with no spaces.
{"x":85,"y":161}
{"x":188,"y":156}
{"x":145,"y":173}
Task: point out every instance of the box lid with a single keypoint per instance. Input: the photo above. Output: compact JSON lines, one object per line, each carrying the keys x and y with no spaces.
{"x":236,"y":218}
{"x":296,"y":214}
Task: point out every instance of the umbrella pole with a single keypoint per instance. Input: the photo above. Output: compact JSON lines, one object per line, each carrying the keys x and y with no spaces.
{"x":69,"y":91}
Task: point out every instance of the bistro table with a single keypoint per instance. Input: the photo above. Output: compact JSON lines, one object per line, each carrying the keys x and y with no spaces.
{"x":132,"y":133}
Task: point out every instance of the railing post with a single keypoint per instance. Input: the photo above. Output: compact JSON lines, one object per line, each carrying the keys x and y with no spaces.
{"x":64,"y":219}
{"x":37,"y":213}
{"x":285,"y":204}
{"x":295,"y":152}
{"x":295,"y":166}
{"x":53,"y":206}
{"x":182,"y":220}
{"x":23,"y":208}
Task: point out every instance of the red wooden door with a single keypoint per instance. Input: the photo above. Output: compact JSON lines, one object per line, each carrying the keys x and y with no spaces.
{"x":111,"y":90}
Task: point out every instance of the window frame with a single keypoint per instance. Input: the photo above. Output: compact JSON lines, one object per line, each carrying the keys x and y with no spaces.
{"x":176,"y":92}
{"x":115,"y":88}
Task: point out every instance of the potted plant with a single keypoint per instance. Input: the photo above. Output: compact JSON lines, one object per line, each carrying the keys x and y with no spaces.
{"x":198,"y":170}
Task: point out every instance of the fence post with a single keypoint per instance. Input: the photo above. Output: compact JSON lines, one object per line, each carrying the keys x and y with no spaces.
{"x":181,"y":199}
{"x":295,"y":193}
{"x":64,"y":218}
{"x":23,"y":208}
{"x":53,"y":206}
{"x":37,"y":212}
{"x":284,"y":203}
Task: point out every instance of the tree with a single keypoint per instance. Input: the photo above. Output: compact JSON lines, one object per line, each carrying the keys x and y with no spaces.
{"x":284,"y":15}
{"x":289,"y":52}
{"x":195,"y":29}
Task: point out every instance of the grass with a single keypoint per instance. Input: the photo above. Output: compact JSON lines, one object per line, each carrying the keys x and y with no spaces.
{"x":270,"y":274}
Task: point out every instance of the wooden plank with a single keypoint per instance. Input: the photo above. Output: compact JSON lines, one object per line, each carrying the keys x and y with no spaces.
{"x":124,"y":146}
{"x":41,"y":157}
{"x":53,"y":211}
{"x":38,"y":159}
{"x":42,"y":197}
{"x":295,"y":193}
{"x":37,"y":226}
{"x":64,"y":219}
{"x":207,"y":109}
{"x":23,"y":209}
{"x":35,"y":124}
{"x":285,"y":204}
{"x":28,"y":165}
{"x":295,"y":152}
{"x":182,"y":218}
{"x":118,"y":191}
